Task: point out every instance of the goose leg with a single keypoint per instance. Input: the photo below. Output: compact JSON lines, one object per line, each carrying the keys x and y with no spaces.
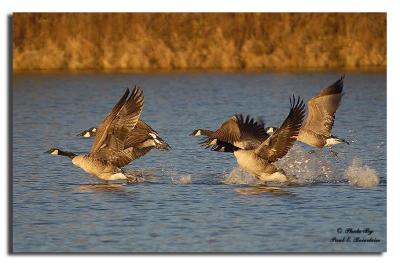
{"x":333,"y":152}
{"x":131,"y":179}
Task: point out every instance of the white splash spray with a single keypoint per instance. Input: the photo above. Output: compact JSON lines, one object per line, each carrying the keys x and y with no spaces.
{"x":301,"y":166}
{"x":308,"y":167}
{"x":239,"y":176}
{"x":181,"y":180}
{"x":361,"y":175}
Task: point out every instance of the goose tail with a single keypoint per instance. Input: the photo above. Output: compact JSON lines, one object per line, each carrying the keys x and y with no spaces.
{"x":333,"y":140}
{"x":159,"y":142}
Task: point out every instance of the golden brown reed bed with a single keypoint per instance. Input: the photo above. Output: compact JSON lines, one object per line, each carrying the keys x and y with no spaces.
{"x":170,"y":41}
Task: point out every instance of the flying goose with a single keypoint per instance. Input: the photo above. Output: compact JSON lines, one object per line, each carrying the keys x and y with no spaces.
{"x":108,"y":153}
{"x":254,"y":151}
{"x":318,"y":125}
{"x":142,"y":139}
{"x":242,"y":132}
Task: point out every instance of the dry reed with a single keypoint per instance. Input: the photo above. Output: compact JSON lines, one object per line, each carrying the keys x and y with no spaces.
{"x":169,"y":41}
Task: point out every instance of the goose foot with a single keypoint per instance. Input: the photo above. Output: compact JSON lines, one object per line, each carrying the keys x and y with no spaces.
{"x":333,"y":153}
{"x":131,"y":180}
{"x":134,"y":178}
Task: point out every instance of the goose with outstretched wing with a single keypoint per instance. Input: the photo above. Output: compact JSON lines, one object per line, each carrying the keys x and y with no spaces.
{"x":317,"y":128}
{"x":241,"y":131}
{"x":260,"y":151}
{"x":141,"y":140}
{"x":108,"y":153}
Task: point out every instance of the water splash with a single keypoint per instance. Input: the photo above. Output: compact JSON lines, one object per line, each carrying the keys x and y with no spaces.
{"x":181,"y":180}
{"x":301,"y":166}
{"x":143,"y":174}
{"x":309,"y":167}
{"x":134,"y":177}
{"x":176,"y":177}
{"x":239,"y":176}
{"x":361,"y":175}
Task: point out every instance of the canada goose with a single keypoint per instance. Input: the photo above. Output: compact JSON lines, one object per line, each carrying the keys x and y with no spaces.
{"x":254,"y":151}
{"x":242,"y":132}
{"x":142,"y":139}
{"x":318,"y":125}
{"x":108,"y":153}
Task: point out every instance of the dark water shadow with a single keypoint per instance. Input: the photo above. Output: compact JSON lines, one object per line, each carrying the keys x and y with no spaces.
{"x":256,"y":190}
{"x":96,"y":187}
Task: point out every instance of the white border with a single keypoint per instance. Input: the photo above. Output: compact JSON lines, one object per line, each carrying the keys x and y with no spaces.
{"x":8,"y":7}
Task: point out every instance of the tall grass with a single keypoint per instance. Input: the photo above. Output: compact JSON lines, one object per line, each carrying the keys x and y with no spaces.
{"x":168,"y":41}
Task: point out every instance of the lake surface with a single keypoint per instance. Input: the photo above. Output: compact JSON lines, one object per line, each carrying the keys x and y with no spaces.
{"x":195,"y":200}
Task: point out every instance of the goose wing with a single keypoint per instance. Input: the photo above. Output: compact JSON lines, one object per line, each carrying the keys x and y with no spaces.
{"x":322,"y":108}
{"x":239,"y":131}
{"x":115,"y":128}
{"x":124,"y":157}
{"x":139,"y":135}
{"x":251,"y":129}
{"x":280,"y":142}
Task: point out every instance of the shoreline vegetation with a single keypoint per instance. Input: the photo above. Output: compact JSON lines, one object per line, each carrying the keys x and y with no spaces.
{"x":161,"y":42}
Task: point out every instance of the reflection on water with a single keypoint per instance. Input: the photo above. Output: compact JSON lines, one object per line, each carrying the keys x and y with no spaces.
{"x":262,"y":189}
{"x":191,"y":199}
{"x":99,"y":187}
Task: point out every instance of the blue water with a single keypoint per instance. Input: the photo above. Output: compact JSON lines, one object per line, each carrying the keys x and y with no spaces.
{"x":193,"y":200}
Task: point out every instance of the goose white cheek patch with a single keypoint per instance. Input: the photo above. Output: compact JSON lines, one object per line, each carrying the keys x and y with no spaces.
{"x":55,"y":152}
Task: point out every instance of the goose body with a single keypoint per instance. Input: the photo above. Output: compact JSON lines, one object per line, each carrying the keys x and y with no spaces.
{"x":101,"y":169}
{"x":253,"y":149}
{"x":254,"y":164}
{"x":317,"y":128}
{"x":108,"y":153}
{"x":142,"y":139}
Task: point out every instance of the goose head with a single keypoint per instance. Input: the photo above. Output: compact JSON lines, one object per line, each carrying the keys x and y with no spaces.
{"x":58,"y":152}
{"x":53,"y":151}
{"x":197,"y":132}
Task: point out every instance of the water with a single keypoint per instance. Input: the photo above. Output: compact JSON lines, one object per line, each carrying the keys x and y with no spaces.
{"x":194,"y":200}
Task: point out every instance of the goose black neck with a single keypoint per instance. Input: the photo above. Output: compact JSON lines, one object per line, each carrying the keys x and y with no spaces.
{"x":65,"y":153}
{"x":206,"y":132}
